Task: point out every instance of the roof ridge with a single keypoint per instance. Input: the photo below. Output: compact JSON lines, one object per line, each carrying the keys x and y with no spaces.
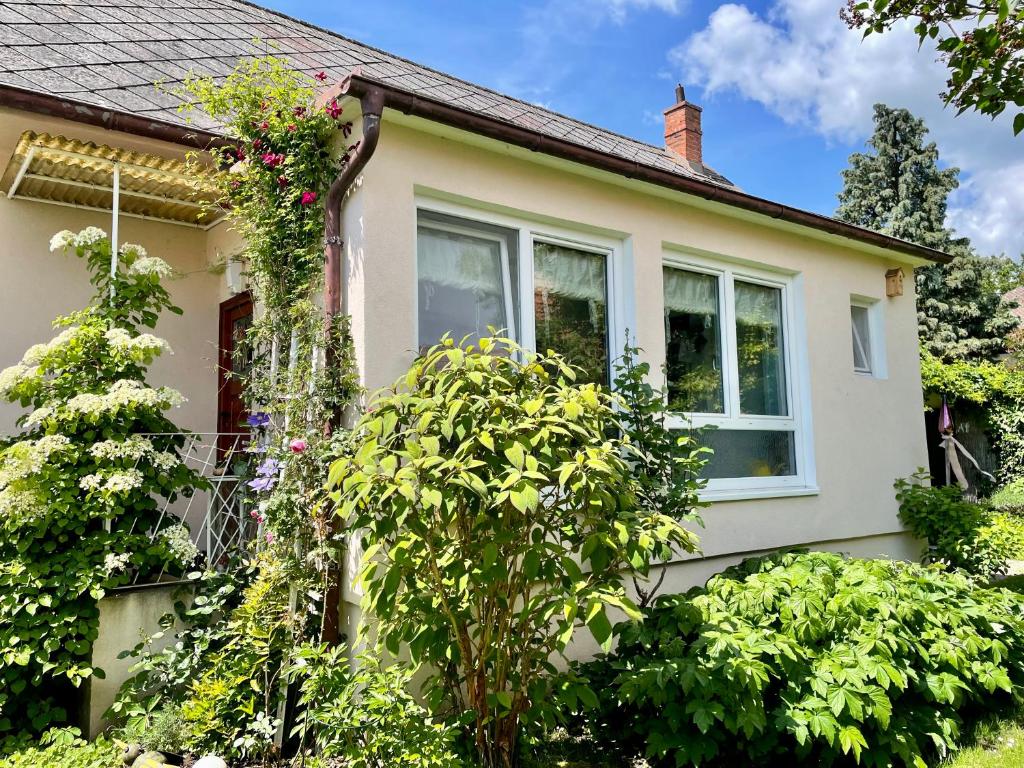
{"x":436,"y":71}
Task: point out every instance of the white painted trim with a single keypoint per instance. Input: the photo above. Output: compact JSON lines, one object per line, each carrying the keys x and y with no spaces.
{"x":80,"y":206}
{"x":102,"y":188}
{"x":758,"y":493}
{"x":115,"y":206}
{"x":21,"y":172}
{"x":876,"y":336}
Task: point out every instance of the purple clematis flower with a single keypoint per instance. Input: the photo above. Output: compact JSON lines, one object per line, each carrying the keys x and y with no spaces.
{"x":266,"y":475}
{"x":258,"y":419}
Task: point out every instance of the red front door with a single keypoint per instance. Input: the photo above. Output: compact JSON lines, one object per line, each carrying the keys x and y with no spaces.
{"x":233,"y":364}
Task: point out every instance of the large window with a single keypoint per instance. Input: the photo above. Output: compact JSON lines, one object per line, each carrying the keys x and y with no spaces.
{"x":729,"y":369}
{"x":469,"y":273}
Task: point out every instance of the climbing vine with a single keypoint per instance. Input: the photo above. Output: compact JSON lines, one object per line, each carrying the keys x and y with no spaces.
{"x":288,"y":143}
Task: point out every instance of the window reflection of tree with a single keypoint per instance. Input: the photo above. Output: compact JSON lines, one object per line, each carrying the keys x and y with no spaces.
{"x":693,"y":366}
{"x":575,"y":328}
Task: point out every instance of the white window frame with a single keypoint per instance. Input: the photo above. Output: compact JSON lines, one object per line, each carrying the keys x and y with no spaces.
{"x":794,"y":358}
{"x":480,"y":234}
{"x":620,"y":312}
{"x":876,"y":337}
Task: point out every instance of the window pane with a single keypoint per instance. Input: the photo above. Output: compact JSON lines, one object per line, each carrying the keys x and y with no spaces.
{"x":861,"y":339}
{"x":461,"y":282}
{"x":693,"y":351}
{"x":759,"y":347}
{"x":571,"y":307}
{"x":749,"y":453}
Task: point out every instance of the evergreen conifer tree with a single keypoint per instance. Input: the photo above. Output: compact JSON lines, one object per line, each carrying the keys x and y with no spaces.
{"x":899,"y":189}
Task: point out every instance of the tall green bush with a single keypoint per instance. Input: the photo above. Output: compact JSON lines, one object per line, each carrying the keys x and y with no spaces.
{"x":81,"y":488}
{"x":810,"y":659}
{"x":499,"y":511}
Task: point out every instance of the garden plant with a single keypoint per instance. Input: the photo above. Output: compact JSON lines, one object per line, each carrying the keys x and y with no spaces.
{"x":810,"y":658}
{"x":83,"y":485}
{"x":498,"y":510}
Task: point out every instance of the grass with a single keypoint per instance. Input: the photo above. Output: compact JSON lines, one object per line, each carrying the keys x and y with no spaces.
{"x":996,"y":744}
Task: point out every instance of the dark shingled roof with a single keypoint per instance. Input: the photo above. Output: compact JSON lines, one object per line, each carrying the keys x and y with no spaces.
{"x":108,"y":53}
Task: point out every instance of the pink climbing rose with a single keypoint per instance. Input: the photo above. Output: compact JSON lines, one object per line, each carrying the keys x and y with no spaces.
{"x":298,"y":445}
{"x":308,"y":198}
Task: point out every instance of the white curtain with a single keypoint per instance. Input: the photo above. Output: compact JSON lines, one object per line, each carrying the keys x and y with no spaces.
{"x":459,"y":261}
{"x":758,"y":305}
{"x":569,"y":272}
{"x":690,"y":292}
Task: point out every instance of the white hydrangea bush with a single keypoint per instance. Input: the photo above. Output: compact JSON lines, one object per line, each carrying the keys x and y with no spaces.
{"x":84,"y":486}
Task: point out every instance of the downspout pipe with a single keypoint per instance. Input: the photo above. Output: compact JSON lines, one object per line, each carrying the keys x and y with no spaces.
{"x":335,"y":280}
{"x":336,"y":298}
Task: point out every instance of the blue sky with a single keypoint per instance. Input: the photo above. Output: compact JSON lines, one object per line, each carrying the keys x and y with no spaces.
{"x":786,"y":89}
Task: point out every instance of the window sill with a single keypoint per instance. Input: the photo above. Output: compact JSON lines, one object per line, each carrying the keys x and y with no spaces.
{"x":746,"y":494}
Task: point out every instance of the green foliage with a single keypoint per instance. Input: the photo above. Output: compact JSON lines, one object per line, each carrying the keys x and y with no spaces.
{"x":298,"y":364}
{"x":899,"y":189}
{"x":665,"y":464}
{"x":497,"y":510}
{"x":1009,"y":498}
{"x":165,"y":730}
{"x":276,"y":176}
{"x":957,"y":531}
{"x":80,"y":488}
{"x":160,"y":679}
{"x":810,"y":659}
{"x":231,"y":707}
{"x":981,"y":44}
{"x":63,"y":748}
{"x":364,"y":715}
{"x":992,"y":392}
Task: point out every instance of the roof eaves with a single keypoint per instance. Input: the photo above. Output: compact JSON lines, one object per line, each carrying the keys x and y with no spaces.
{"x":492,"y":127}
{"x":486,"y":125}
{"x":112,"y":119}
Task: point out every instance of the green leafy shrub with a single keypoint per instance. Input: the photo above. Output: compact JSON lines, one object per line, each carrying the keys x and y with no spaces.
{"x":1009,"y":498}
{"x":364,"y":714}
{"x":813,"y":658}
{"x":958,"y":532}
{"x":63,"y":748}
{"x":232,"y":706}
{"x":160,"y":679}
{"x":498,"y":511}
{"x":81,"y":487}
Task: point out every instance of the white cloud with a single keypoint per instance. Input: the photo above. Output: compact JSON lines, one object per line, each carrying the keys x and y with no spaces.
{"x":802,"y":63}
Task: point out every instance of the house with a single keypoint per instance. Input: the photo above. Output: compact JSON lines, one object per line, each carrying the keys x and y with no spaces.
{"x":789,"y":331}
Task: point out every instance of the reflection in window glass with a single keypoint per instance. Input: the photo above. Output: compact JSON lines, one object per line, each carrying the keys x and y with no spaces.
{"x":571,"y":307}
{"x":749,"y":453}
{"x":861,"y":339}
{"x":759,"y":350}
{"x":693,"y":342}
{"x":462,"y":282}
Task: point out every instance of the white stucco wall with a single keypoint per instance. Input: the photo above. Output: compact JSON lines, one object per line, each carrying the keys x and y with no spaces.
{"x":36,"y":285}
{"x":866,"y":432}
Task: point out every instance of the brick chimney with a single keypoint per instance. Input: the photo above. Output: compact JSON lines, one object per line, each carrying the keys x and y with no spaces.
{"x":682,"y":128}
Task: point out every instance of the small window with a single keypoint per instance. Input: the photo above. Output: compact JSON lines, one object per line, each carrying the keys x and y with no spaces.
{"x":466,"y":278}
{"x":860,"y":323}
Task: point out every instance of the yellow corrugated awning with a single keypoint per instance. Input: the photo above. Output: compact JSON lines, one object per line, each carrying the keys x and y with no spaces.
{"x":80,"y":174}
